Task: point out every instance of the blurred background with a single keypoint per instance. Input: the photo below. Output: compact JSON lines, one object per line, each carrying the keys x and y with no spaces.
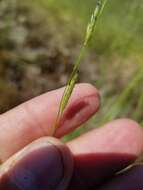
{"x":40,"y":39}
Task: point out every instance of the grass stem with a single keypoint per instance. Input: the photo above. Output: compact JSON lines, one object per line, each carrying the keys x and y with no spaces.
{"x":100,"y":4}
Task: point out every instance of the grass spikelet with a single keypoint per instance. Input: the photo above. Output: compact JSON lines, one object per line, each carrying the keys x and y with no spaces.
{"x":100,"y":4}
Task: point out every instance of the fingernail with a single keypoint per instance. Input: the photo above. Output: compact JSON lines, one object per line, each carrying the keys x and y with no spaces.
{"x":44,"y":167}
{"x":79,"y":112}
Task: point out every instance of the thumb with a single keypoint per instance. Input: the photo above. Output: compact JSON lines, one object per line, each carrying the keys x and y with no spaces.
{"x":43,"y":165}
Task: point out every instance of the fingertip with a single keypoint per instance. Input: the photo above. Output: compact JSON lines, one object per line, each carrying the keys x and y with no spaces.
{"x":84,"y":103}
{"x":121,"y":136}
{"x":102,"y":152}
{"x":129,"y":133}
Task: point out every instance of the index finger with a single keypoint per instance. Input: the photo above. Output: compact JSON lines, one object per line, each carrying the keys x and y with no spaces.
{"x":36,"y":118}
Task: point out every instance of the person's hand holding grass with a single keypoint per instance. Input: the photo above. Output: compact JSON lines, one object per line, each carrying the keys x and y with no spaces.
{"x":33,"y":160}
{"x":89,"y":162}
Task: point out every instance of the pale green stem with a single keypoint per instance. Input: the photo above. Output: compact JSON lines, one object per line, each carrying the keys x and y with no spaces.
{"x":74,"y":75}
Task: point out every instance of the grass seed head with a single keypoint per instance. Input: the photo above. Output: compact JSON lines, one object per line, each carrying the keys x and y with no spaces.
{"x":74,"y":75}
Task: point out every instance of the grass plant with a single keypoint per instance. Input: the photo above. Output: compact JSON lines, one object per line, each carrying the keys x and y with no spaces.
{"x":100,"y":4}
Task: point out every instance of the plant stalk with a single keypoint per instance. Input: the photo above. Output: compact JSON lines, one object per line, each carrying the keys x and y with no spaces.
{"x":100,"y":4}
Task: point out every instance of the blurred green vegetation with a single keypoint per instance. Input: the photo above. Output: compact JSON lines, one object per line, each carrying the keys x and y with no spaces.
{"x":120,"y":28}
{"x":53,"y":30}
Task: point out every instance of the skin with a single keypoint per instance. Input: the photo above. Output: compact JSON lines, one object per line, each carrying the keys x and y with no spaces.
{"x":91,"y":161}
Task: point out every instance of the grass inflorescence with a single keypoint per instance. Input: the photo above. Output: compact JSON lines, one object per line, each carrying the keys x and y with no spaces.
{"x":100,"y":4}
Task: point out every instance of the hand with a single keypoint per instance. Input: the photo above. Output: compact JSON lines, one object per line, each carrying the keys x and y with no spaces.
{"x":30,"y":160}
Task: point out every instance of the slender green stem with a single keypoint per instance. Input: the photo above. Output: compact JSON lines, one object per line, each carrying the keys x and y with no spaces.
{"x":100,"y":4}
